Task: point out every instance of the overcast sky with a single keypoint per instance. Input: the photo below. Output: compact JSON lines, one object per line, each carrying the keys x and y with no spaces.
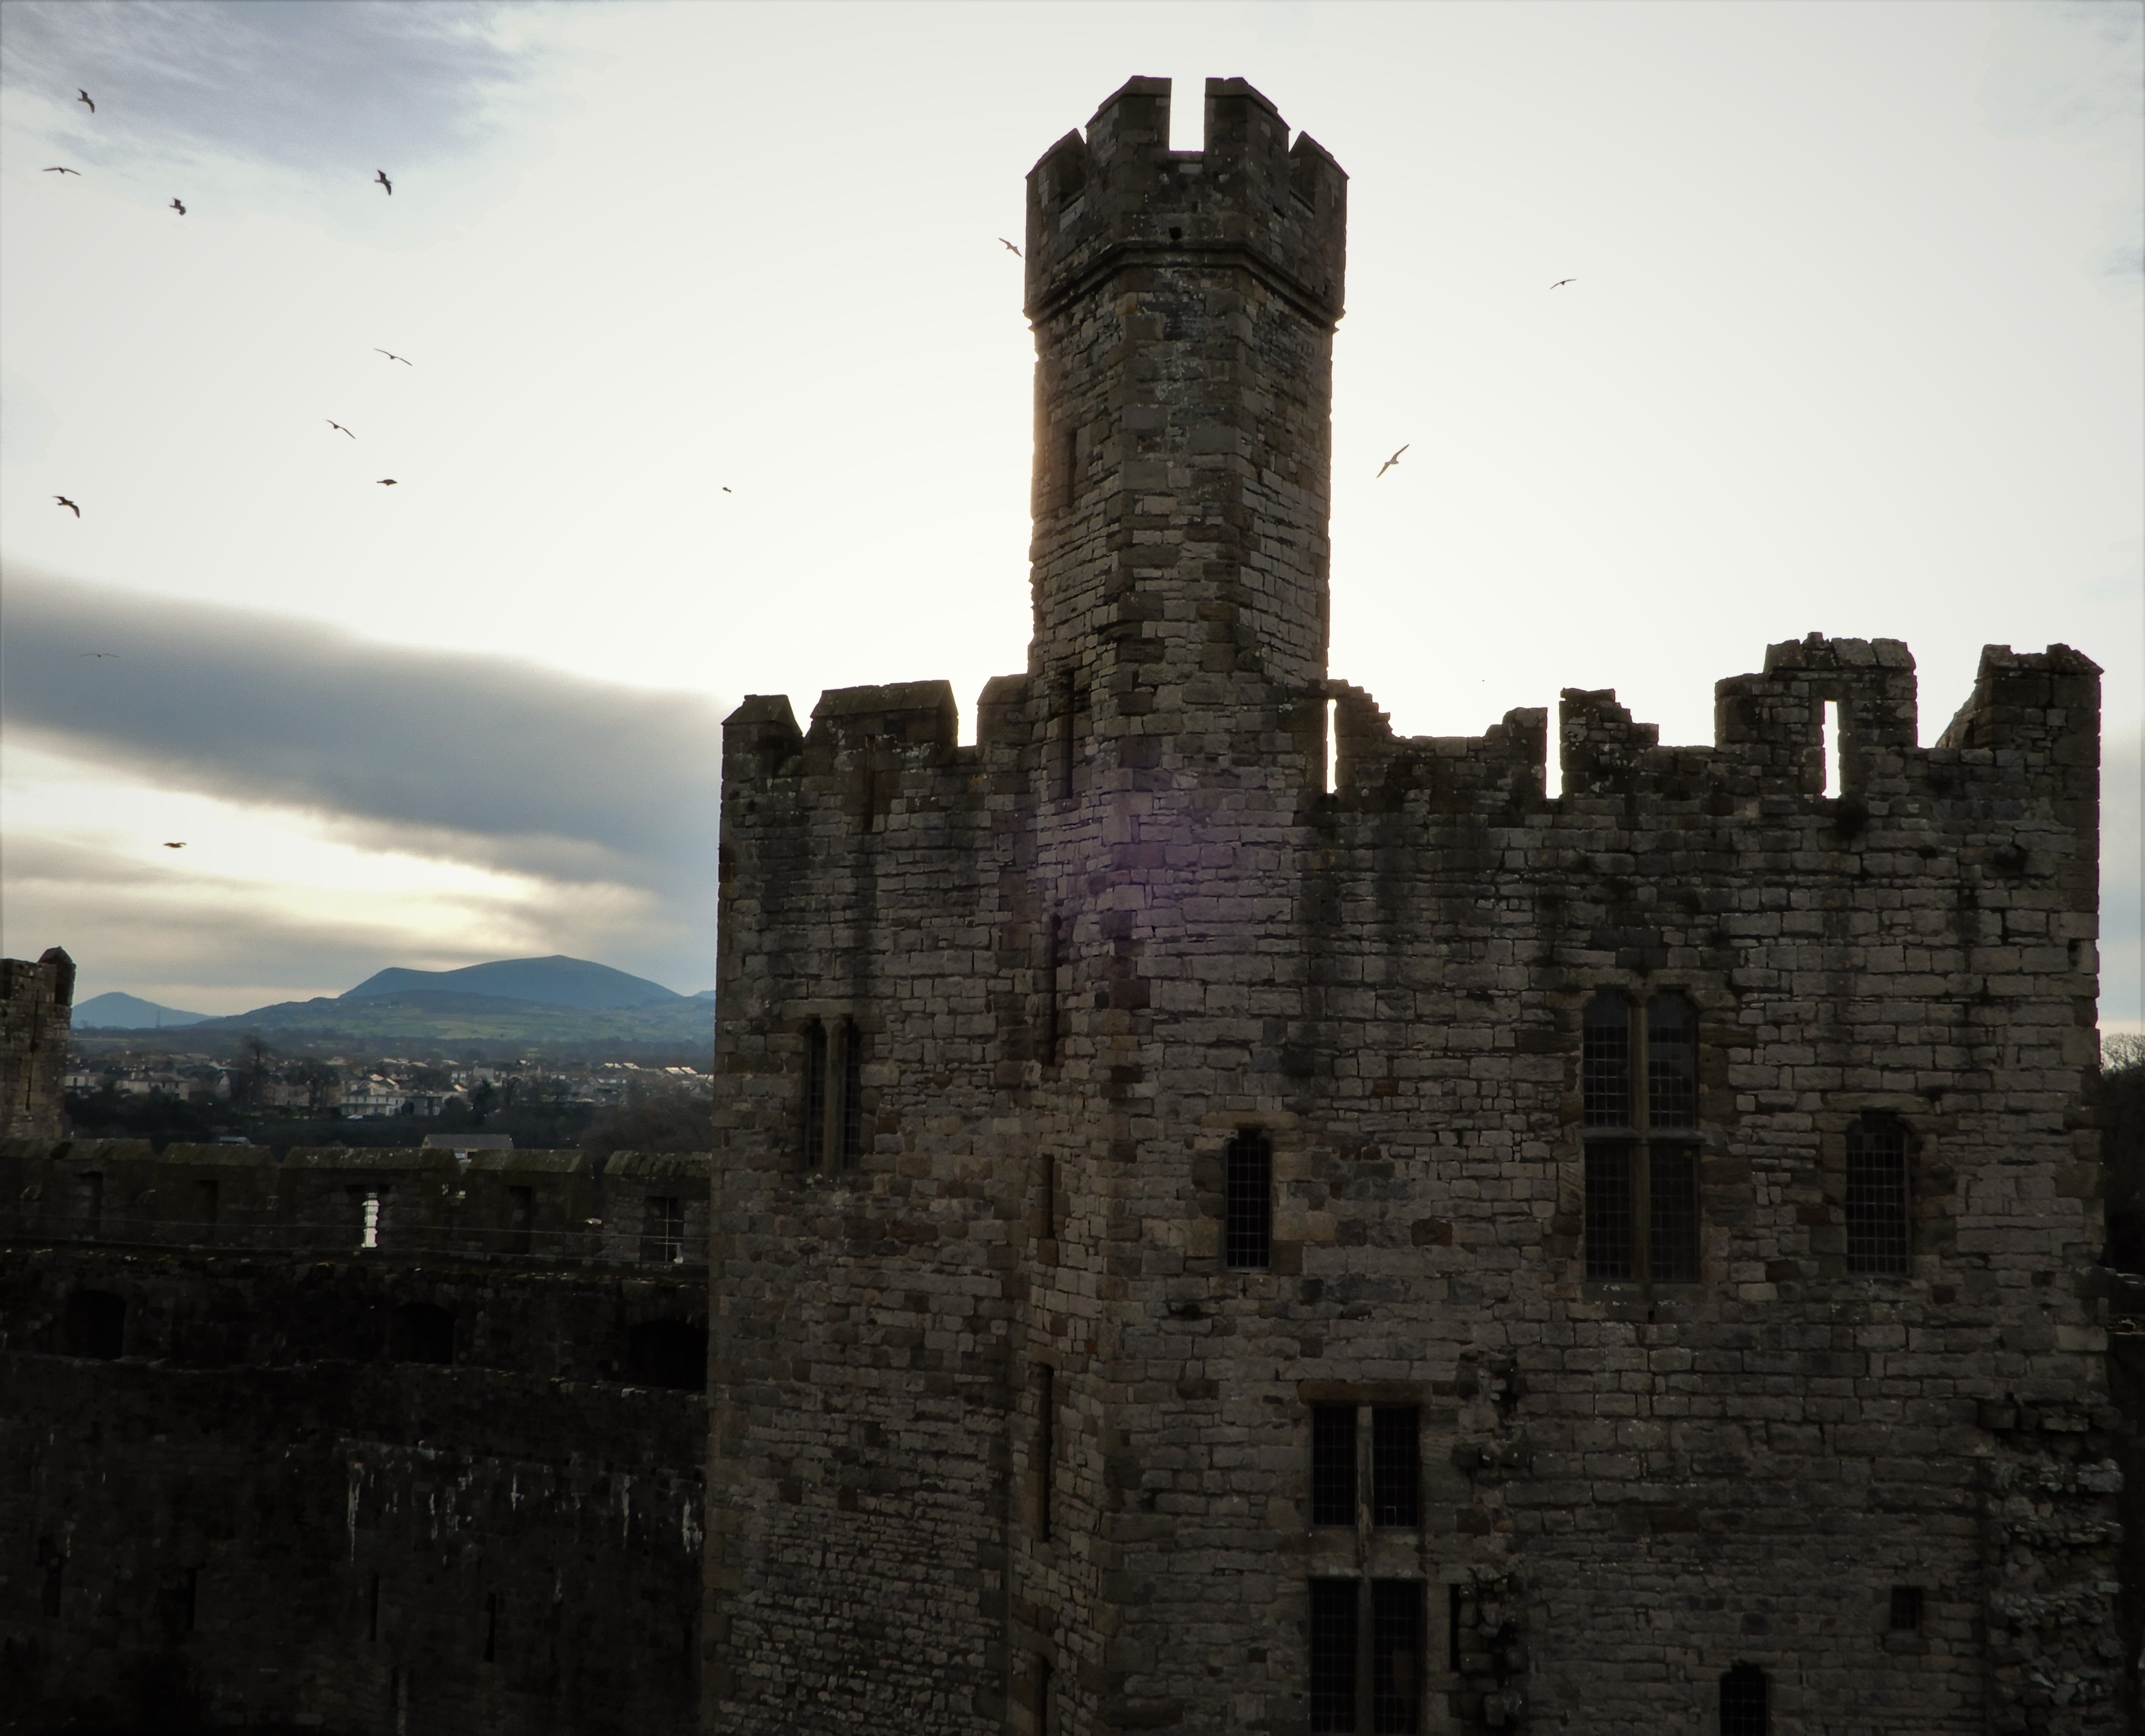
{"x":1853,"y":347}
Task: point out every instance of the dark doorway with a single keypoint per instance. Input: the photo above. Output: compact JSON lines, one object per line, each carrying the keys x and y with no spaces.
{"x":419,"y":1332}
{"x":94,"y":1325}
{"x":667,"y":1353}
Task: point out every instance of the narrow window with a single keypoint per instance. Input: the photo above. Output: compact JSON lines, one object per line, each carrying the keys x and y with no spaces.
{"x":1248,"y":1230}
{"x":1068,"y":705}
{"x":368,"y":1230}
{"x":1906,"y":1609}
{"x":1333,"y":1464}
{"x":1743,"y":1697}
{"x":491,"y":1627}
{"x":668,"y":1353}
{"x":1045,"y":1447}
{"x":1672,"y":1214}
{"x":520,"y":1219}
{"x":373,"y":1608}
{"x":1671,"y":1062}
{"x":815,"y":1095}
{"x":1053,"y":944}
{"x":1042,"y":1695}
{"x":1455,"y":1597}
{"x":663,"y":1239}
{"x":852,"y":1104}
{"x":1072,"y":483}
{"x":1332,"y":746}
{"x":1877,"y":1226}
{"x":1397,"y":1656}
{"x":94,"y":1325}
{"x":1609,"y":1211}
{"x":1333,"y":1655}
{"x":1396,"y":1467}
{"x":192,"y":1596}
{"x":1605,"y":1063}
{"x":1828,"y":737}
{"x":419,"y":1332}
{"x":205,"y":1204}
{"x":1049,"y":1197}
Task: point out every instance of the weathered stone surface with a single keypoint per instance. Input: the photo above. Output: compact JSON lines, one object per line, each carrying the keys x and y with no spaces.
{"x":254,"y":1472}
{"x":1082,"y":956}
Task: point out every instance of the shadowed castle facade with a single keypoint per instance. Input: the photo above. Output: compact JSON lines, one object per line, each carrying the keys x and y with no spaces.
{"x":1225,"y":1219}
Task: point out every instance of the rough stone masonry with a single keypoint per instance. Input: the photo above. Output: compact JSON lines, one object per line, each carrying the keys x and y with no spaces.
{"x":1224,"y":1219}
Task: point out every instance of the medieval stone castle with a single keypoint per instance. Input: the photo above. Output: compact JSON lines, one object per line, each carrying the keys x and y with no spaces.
{"x":1220,"y":1218}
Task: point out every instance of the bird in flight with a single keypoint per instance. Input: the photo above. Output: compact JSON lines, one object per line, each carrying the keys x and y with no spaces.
{"x":68,"y":503}
{"x":386,"y":481}
{"x":97,"y":653}
{"x":83,"y":95}
{"x":380,"y":176}
{"x":1392,"y":461}
{"x":337,"y":426}
{"x":169,"y":845}
{"x":1010,"y":248}
{"x":392,"y":357}
{"x":726,"y":490}
{"x":178,"y":207}
{"x":1561,"y":282}
{"x":57,"y":169}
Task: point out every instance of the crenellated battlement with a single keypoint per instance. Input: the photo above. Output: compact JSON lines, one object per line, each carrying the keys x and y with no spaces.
{"x":1249,"y":194}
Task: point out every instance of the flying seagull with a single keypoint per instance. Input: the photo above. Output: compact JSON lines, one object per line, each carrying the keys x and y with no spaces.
{"x":380,"y":176}
{"x":1392,"y":461}
{"x":178,"y":207}
{"x":68,"y":503}
{"x":1010,"y":248}
{"x":171,"y":846}
{"x":83,"y":95}
{"x":392,"y":357}
{"x":726,"y":490}
{"x":57,"y":169}
{"x":386,"y":481}
{"x":337,"y":426}
{"x":1561,"y":282}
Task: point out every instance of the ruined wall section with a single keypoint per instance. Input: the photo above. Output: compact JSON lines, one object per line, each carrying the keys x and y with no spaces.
{"x":872,"y":883}
{"x":271,"y":1458}
{"x":37,"y":1009}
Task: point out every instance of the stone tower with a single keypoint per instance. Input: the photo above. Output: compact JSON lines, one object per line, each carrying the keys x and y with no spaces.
{"x":37,"y":1007}
{"x":1227,"y":1219}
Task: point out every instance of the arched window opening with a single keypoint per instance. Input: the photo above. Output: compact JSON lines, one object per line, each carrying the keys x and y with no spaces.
{"x":1879,"y":1238}
{"x":1605,"y":1075}
{"x":94,"y":1325}
{"x":815,"y":1094}
{"x":851,"y":1107}
{"x":672,"y":1353}
{"x":1744,"y":1710}
{"x":1671,"y":1062}
{"x":1248,"y":1224}
{"x":420,"y":1332}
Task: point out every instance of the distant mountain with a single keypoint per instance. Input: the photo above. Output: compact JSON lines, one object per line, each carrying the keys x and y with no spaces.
{"x":442,"y":1016}
{"x":704,"y":994}
{"x":555,"y":982}
{"x":117,"y":1012}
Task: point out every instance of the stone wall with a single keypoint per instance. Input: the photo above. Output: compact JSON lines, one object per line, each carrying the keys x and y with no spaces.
{"x":261,"y":1466}
{"x":37,"y":1007}
{"x":1005,"y":1440}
